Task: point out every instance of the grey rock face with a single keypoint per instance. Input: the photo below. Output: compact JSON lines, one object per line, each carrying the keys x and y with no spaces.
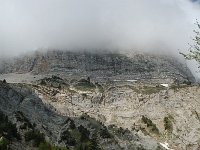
{"x":100,"y":65}
{"x":152,"y":114}
{"x":164,"y":114}
{"x":23,"y":100}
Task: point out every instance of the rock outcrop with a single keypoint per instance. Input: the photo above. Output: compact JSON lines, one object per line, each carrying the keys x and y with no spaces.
{"x":99,"y":101}
{"x":36,"y":118}
{"x":132,"y":115}
{"x":100,"y":66}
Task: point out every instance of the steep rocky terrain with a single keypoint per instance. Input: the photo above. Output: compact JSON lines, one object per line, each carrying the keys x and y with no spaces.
{"x":81,"y":100}
{"x":114,"y":115}
{"x":37,"y":120}
{"x":99,"y":66}
{"x":164,"y":113}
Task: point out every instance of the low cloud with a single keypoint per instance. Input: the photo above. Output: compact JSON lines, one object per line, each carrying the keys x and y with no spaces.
{"x":163,"y":26}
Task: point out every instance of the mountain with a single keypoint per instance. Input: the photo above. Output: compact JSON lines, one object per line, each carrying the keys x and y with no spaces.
{"x":61,"y":100}
{"x":100,"y":66}
{"x":36,"y":119}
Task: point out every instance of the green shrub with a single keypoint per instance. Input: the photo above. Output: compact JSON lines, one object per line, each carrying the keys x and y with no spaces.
{"x":68,"y":138}
{"x":178,"y":87}
{"x":84,"y":85}
{"x":150,"y":125}
{"x":84,"y":133}
{"x":92,"y":122}
{"x":151,"y":90}
{"x":72,"y":125}
{"x":43,"y":82}
{"x":7,"y":129}
{"x":187,"y":82}
{"x":3,"y":143}
{"x":34,"y":136}
{"x":100,"y":87}
{"x":104,"y":133}
{"x":168,"y":124}
{"x":89,"y":145}
{"x":47,"y":146}
{"x":20,"y":117}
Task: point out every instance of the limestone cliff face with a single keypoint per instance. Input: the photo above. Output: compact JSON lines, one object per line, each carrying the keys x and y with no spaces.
{"x":147,"y":114}
{"x":165,"y":114}
{"x":121,"y":106}
{"x":27,"y":107}
{"x":100,"y":65}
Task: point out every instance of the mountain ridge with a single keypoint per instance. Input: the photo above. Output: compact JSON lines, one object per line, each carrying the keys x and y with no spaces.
{"x":100,"y":65}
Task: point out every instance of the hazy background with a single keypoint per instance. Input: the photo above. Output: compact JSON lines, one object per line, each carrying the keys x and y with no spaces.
{"x":161,"y":26}
{"x":147,"y":25}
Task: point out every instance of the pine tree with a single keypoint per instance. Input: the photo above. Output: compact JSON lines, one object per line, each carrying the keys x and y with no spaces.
{"x":194,"y":50}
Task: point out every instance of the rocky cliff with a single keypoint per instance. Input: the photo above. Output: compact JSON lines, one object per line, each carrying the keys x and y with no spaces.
{"x":98,"y":101}
{"x":38,"y":121}
{"x":100,"y":66}
{"x":113,"y":115}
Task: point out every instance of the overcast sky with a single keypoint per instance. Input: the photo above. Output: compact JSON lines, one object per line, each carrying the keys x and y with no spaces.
{"x":146,"y":25}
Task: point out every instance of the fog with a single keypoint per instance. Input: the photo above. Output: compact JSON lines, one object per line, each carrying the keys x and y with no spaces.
{"x":161,"y":26}
{"x":142,"y":25}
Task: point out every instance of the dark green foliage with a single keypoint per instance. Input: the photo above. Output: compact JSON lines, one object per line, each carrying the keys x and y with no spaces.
{"x":168,"y":124}
{"x":104,"y":133}
{"x":124,"y":134}
{"x":72,"y":125}
{"x":82,"y":146}
{"x":43,"y":82}
{"x":54,"y":92}
{"x":194,"y":50}
{"x":187,"y":82}
{"x":85,"y":85}
{"x":84,"y":133}
{"x":151,"y":90}
{"x":100,"y":87}
{"x":34,"y":136}
{"x":86,"y":146}
{"x":7,"y":129}
{"x":147,"y":89}
{"x":88,"y":79}
{"x":3,"y":143}
{"x":20,"y":117}
{"x":178,"y":87}
{"x":94,"y":144}
{"x":56,"y":78}
{"x":84,"y":95}
{"x":54,"y":81}
{"x":4,"y":81}
{"x":93,"y":123}
{"x":84,"y":116}
{"x":150,"y":125}
{"x":73,"y":81}
{"x":68,"y":138}
{"x":80,"y":138}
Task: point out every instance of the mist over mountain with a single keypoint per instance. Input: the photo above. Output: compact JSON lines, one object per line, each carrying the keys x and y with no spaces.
{"x":98,"y":75}
{"x":142,"y":25}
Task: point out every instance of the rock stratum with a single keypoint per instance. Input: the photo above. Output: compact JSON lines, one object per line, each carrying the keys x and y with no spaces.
{"x":150,"y":104}
{"x":100,"y":66}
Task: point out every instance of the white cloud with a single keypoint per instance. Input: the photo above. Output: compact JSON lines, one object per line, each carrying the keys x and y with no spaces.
{"x":157,"y":25}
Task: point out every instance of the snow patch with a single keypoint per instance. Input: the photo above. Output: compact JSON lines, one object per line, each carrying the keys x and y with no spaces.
{"x":165,"y":85}
{"x":166,"y":145}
